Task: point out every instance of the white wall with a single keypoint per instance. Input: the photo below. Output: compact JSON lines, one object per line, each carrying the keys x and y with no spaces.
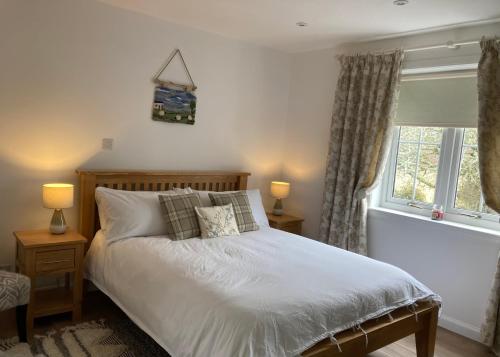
{"x":457,"y":263}
{"x":307,"y":132}
{"x":74,"y":72}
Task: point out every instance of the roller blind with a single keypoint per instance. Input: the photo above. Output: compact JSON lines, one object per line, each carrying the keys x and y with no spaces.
{"x":441,"y":102}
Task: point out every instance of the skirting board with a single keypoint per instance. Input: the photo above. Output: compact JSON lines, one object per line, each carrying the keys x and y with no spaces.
{"x":460,"y":327}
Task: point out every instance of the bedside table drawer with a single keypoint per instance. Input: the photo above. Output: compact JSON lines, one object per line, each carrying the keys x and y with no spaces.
{"x":285,"y":223}
{"x":54,"y":260}
{"x":295,"y":228}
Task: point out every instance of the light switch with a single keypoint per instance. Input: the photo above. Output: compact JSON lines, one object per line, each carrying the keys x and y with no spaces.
{"x":107,"y":144}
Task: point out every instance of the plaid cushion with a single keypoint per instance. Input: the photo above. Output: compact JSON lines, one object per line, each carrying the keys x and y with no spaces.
{"x":241,"y":206}
{"x":180,"y":215}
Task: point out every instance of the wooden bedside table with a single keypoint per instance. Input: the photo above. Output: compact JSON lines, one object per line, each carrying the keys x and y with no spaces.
{"x":285,"y":223}
{"x":40,"y":253}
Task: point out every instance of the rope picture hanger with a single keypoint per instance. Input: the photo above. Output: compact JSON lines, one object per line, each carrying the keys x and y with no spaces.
{"x":174,"y":102}
{"x":157,"y":80}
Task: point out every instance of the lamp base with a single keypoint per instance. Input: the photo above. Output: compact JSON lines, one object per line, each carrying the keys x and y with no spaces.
{"x":57,"y":223}
{"x":278,"y":208}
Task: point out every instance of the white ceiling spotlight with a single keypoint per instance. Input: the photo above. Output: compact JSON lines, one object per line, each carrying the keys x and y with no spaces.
{"x":400,"y":2}
{"x":301,"y":24}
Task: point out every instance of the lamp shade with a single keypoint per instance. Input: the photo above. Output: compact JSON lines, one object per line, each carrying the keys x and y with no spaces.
{"x":57,"y":195}
{"x":280,"y":189}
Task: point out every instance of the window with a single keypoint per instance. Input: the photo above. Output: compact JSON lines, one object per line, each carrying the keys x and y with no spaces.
{"x":417,"y":164}
{"x":468,"y":192}
{"x":430,"y":165}
{"x":434,"y":153}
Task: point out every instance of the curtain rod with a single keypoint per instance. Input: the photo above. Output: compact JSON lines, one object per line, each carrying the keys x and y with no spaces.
{"x":450,"y":44}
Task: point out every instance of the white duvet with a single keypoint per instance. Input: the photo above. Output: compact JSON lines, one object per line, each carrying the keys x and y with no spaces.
{"x":263,"y":293}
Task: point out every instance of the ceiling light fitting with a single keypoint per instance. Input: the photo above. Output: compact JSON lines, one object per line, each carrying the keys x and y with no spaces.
{"x":301,"y":24}
{"x":400,"y":2}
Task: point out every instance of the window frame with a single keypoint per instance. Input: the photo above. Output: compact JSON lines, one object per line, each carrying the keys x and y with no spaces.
{"x":446,"y":183}
{"x":455,"y":167}
{"x":390,"y":179}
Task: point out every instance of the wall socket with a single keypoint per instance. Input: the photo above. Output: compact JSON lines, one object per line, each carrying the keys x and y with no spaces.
{"x":107,"y":144}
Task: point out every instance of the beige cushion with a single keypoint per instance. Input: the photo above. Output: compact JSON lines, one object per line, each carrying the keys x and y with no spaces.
{"x":255,"y":199}
{"x":241,"y":206}
{"x":217,"y":221}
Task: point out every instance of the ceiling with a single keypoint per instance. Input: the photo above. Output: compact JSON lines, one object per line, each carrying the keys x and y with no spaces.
{"x":272,"y":23}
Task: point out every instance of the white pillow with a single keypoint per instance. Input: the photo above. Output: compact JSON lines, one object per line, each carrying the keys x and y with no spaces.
{"x":258,"y":211}
{"x":131,"y":213}
{"x":217,"y":221}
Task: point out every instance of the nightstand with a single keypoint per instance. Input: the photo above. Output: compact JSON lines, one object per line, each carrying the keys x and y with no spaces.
{"x":40,"y":253}
{"x":285,"y":223}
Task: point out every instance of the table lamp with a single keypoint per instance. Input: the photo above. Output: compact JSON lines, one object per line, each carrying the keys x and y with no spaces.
{"x":279,"y":190}
{"x":57,"y":196}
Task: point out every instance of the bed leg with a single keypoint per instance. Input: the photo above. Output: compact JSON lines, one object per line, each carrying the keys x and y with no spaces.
{"x":85,"y":287}
{"x":21,"y":312}
{"x":425,"y":339}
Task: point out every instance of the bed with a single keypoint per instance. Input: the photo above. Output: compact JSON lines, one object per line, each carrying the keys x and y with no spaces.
{"x":263,"y":293}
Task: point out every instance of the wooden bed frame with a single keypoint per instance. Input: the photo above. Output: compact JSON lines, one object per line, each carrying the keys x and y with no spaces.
{"x":374,"y":334}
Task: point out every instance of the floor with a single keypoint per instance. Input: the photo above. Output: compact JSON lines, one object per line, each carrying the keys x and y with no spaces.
{"x":97,"y":306}
{"x":448,"y":344}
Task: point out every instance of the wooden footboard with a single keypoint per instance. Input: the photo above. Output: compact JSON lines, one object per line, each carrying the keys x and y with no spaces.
{"x":384,"y":331}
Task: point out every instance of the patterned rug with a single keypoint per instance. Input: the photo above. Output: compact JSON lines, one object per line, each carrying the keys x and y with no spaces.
{"x":94,"y":339}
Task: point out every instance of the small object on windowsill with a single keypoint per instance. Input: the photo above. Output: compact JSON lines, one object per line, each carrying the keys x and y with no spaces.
{"x":437,"y":213}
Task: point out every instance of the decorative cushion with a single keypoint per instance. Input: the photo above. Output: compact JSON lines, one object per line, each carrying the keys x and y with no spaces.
{"x":255,"y":199}
{"x":125,"y":214}
{"x":180,"y":216}
{"x":14,"y":290}
{"x":241,"y":207}
{"x":217,"y":221}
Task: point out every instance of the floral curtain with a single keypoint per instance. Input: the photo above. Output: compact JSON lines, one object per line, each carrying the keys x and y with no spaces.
{"x":359,"y":143}
{"x":490,"y":331}
{"x":489,"y":167}
{"x":488,"y":82}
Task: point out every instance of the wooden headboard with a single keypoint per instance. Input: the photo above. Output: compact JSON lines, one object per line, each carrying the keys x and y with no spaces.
{"x":147,"y":181}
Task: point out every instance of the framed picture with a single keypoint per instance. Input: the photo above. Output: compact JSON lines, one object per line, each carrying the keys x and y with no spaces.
{"x":174,"y":106}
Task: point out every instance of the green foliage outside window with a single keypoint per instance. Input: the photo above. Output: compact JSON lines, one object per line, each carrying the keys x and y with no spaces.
{"x":417,"y":165}
{"x":469,"y":195}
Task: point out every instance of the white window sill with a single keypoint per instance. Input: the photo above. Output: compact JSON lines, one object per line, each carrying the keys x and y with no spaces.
{"x":431,"y":221}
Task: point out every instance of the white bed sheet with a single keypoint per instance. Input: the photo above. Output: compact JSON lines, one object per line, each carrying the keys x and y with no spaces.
{"x":263,"y":293}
